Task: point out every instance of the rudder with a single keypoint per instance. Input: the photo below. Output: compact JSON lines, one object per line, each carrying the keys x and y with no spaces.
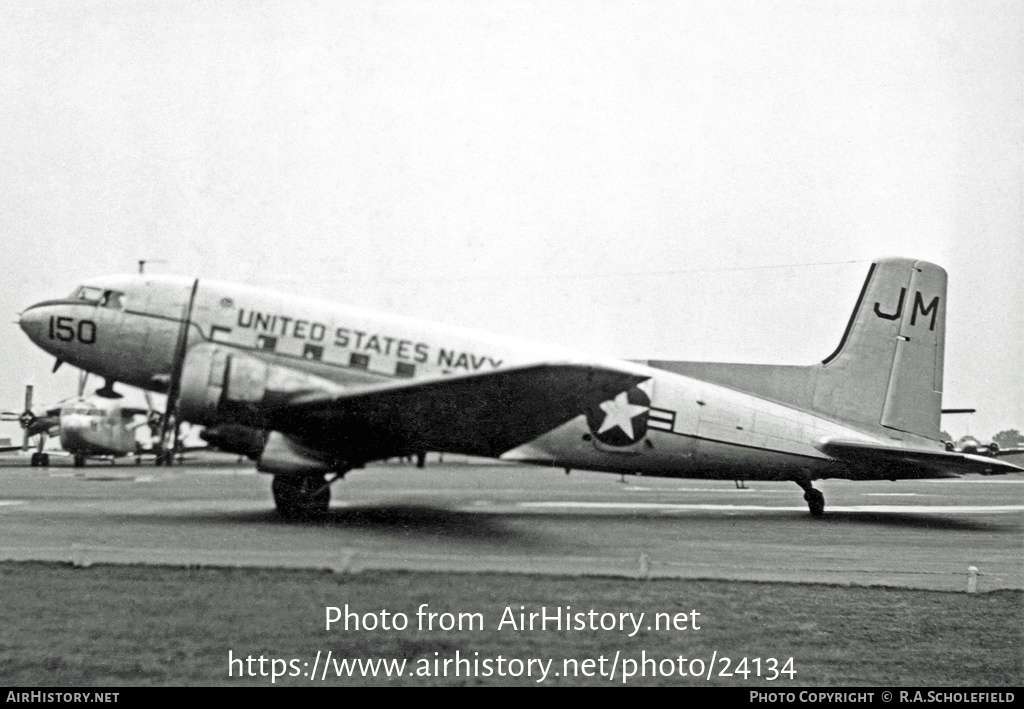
{"x":887,"y":370}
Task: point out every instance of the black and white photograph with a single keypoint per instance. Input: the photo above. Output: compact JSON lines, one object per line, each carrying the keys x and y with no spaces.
{"x":451,"y":343}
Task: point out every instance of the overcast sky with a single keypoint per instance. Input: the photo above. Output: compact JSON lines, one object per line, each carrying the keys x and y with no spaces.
{"x":698,"y":180}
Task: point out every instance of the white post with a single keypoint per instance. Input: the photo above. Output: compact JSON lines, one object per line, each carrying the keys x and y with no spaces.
{"x":80,"y":557}
{"x":972,"y":579}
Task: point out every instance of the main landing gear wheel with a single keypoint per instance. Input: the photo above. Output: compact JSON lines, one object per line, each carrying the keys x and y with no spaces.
{"x":79,"y":461}
{"x":815,"y":500}
{"x":301,"y":496}
{"x":39,"y":460}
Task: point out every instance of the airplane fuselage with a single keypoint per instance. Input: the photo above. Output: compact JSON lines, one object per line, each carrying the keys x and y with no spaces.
{"x":127,"y":328}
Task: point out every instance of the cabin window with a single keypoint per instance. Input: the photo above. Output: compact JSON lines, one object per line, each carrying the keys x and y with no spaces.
{"x":404,"y":369}
{"x":359,"y":361}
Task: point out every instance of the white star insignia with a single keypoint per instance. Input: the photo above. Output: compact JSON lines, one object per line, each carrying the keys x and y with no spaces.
{"x":619,"y":412}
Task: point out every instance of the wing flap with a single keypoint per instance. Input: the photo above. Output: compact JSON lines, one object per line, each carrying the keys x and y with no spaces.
{"x":476,"y":414}
{"x":940,"y":462}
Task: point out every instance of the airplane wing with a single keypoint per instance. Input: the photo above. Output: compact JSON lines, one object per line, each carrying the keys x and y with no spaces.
{"x":476,"y":414}
{"x":49,"y":451}
{"x":912,"y":463}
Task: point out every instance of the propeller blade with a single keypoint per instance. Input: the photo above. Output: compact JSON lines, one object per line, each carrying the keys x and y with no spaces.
{"x":153,"y":417}
{"x":154,"y":420}
{"x":27,"y":418}
{"x":83,"y":378}
{"x":174,"y":384}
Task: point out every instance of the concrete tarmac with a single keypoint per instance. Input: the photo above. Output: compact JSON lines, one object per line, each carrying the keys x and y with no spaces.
{"x":467,"y":517}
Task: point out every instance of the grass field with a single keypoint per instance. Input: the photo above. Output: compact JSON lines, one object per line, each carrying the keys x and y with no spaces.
{"x":128,"y":625}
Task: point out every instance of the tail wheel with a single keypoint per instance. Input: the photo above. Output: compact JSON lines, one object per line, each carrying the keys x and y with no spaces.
{"x":301,"y":496}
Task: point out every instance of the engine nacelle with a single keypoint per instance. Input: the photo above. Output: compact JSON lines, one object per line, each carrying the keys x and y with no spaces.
{"x":283,"y":455}
{"x":220,"y":385}
{"x":233,"y":438}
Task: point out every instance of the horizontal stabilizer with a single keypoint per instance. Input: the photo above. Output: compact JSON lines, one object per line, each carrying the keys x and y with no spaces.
{"x":477,"y":414}
{"x":937,"y":461}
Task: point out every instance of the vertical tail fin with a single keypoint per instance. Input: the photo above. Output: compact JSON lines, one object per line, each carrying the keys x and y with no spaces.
{"x":886,"y":374}
{"x":887,"y":370}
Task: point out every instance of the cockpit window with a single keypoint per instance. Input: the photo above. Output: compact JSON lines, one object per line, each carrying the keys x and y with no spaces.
{"x":90,"y":294}
{"x":81,"y":409}
{"x":112,"y":299}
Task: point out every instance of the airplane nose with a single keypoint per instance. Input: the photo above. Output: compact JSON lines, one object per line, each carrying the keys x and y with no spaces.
{"x":37,"y":321}
{"x":33,"y":322}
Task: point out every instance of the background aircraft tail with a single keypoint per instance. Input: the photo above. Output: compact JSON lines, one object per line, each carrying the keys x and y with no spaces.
{"x":887,"y":371}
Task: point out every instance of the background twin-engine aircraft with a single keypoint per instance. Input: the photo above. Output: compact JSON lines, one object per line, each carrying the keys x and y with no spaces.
{"x":970,"y":444}
{"x":311,"y":389}
{"x":87,"y":427}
